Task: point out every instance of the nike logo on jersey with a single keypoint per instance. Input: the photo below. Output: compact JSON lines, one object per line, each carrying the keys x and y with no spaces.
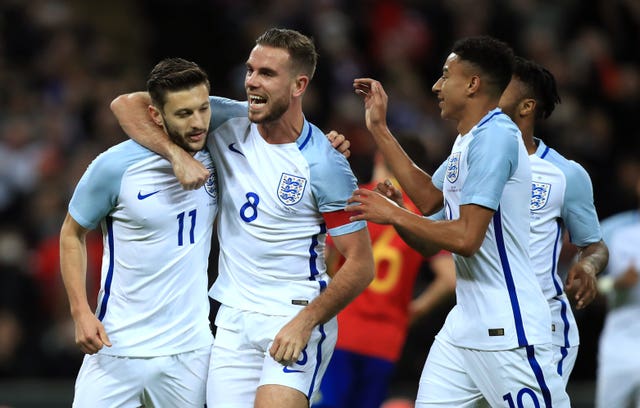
{"x":288,"y":370}
{"x":232,"y":147}
{"x":143,"y":196}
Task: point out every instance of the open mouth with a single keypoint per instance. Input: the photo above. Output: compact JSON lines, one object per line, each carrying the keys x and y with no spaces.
{"x":257,"y":101}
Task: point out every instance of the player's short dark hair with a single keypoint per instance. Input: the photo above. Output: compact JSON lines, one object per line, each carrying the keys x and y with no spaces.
{"x":172,"y":75}
{"x":492,"y":57}
{"x":301,"y":48}
{"x":539,"y":84}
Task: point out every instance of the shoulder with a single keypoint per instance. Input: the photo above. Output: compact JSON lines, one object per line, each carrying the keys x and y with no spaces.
{"x":114,"y":161}
{"x":224,"y":109}
{"x":573,"y":171}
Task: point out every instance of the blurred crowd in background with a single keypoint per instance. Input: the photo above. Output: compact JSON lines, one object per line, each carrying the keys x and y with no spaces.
{"x":63,"y":61}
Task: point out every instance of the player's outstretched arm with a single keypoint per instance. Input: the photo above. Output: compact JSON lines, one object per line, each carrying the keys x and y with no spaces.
{"x":462,"y":236}
{"x":90,"y":333}
{"x":414,"y":181}
{"x":132,"y":112}
{"x":348,"y":282}
{"x":581,"y":279}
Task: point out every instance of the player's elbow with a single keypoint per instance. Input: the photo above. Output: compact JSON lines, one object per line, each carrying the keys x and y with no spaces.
{"x":368,"y":271}
{"x":118,"y":105}
{"x":467,"y":247}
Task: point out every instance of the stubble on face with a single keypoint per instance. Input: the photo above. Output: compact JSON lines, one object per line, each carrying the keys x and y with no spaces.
{"x":181,"y":139}
{"x":268,"y":78}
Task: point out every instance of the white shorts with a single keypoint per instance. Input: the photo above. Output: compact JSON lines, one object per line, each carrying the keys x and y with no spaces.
{"x":618,"y":374}
{"x":564,"y":359}
{"x":240,"y":360}
{"x":460,"y":377}
{"x":168,"y":381}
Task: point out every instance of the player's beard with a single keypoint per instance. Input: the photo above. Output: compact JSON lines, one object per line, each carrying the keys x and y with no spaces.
{"x":180,"y":139}
{"x":278,"y":108}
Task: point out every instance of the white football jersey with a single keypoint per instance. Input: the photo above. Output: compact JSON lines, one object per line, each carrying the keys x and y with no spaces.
{"x":157,"y":236}
{"x":272,"y":200}
{"x":499,"y":304}
{"x":622,"y":234}
{"x":561,"y":197}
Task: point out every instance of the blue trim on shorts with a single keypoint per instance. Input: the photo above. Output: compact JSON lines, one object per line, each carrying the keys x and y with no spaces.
{"x":546,"y":394}
{"x":323,"y":336}
{"x":107,"y":282}
{"x":564,"y":353}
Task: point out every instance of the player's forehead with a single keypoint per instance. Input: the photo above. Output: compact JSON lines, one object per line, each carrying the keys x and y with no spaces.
{"x":452,"y":63}
{"x":187,"y":99}
{"x":267,"y":57}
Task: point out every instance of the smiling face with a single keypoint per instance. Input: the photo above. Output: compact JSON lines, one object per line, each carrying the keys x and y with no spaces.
{"x":185,"y":117}
{"x":269,"y":83}
{"x":451,"y":88}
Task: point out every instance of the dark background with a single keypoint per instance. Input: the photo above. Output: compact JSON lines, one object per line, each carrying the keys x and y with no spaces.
{"x":63,"y":61}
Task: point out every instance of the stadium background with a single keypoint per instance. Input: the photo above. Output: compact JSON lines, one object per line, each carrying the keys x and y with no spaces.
{"x":63,"y":61}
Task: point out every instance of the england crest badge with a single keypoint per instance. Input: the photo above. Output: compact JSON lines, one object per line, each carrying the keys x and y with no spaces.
{"x":291,"y":188}
{"x":453,"y":167}
{"x":539,"y":195}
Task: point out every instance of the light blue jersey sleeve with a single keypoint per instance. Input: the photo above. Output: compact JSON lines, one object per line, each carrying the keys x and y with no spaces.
{"x":438,"y":177}
{"x":492,"y":159}
{"x":579,"y":212}
{"x":223,"y":109}
{"x":97,"y":192}
{"x":333,"y":181}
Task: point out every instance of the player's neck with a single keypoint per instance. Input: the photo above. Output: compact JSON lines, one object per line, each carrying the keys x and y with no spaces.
{"x":474,"y":114}
{"x":285,"y":129}
{"x":527,"y":138}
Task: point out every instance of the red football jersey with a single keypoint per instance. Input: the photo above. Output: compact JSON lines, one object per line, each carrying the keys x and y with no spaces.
{"x":376,"y":322}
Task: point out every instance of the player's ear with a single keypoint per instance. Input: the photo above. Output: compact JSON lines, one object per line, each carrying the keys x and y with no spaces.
{"x":300,"y":85}
{"x":473,"y":85}
{"x":156,"y":115}
{"x":527,"y":107}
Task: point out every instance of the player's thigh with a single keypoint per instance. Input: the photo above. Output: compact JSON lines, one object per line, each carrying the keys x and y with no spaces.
{"x":234,"y":371}
{"x":564,"y":360}
{"x":108,"y":381}
{"x":444,"y":381}
{"x":178,"y":380}
{"x":522,"y":377}
{"x":305,"y":375}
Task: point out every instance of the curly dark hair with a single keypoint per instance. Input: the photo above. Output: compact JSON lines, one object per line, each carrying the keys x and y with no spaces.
{"x":491,"y":56}
{"x":539,"y":85}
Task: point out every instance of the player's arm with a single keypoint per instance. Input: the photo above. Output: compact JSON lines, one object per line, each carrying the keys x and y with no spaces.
{"x":462,"y":236}
{"x":132,"y":112}
{"x":581,"y":278}
{"x":438,"y":291}
{"x":348,"y":282}
{"x":90,"y":333}
{"x":414,"y":181}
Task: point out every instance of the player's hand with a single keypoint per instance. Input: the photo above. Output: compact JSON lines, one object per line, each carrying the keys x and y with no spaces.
{"x":290,"y":341}
{"x":375,"y":101}
{"x":190,"y":172}
{"x":582,"y":283}
{"x":371,"y":206}
{"x":390,"y":191}
{"x":90,"y":334}
{"x":340,"y":143}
